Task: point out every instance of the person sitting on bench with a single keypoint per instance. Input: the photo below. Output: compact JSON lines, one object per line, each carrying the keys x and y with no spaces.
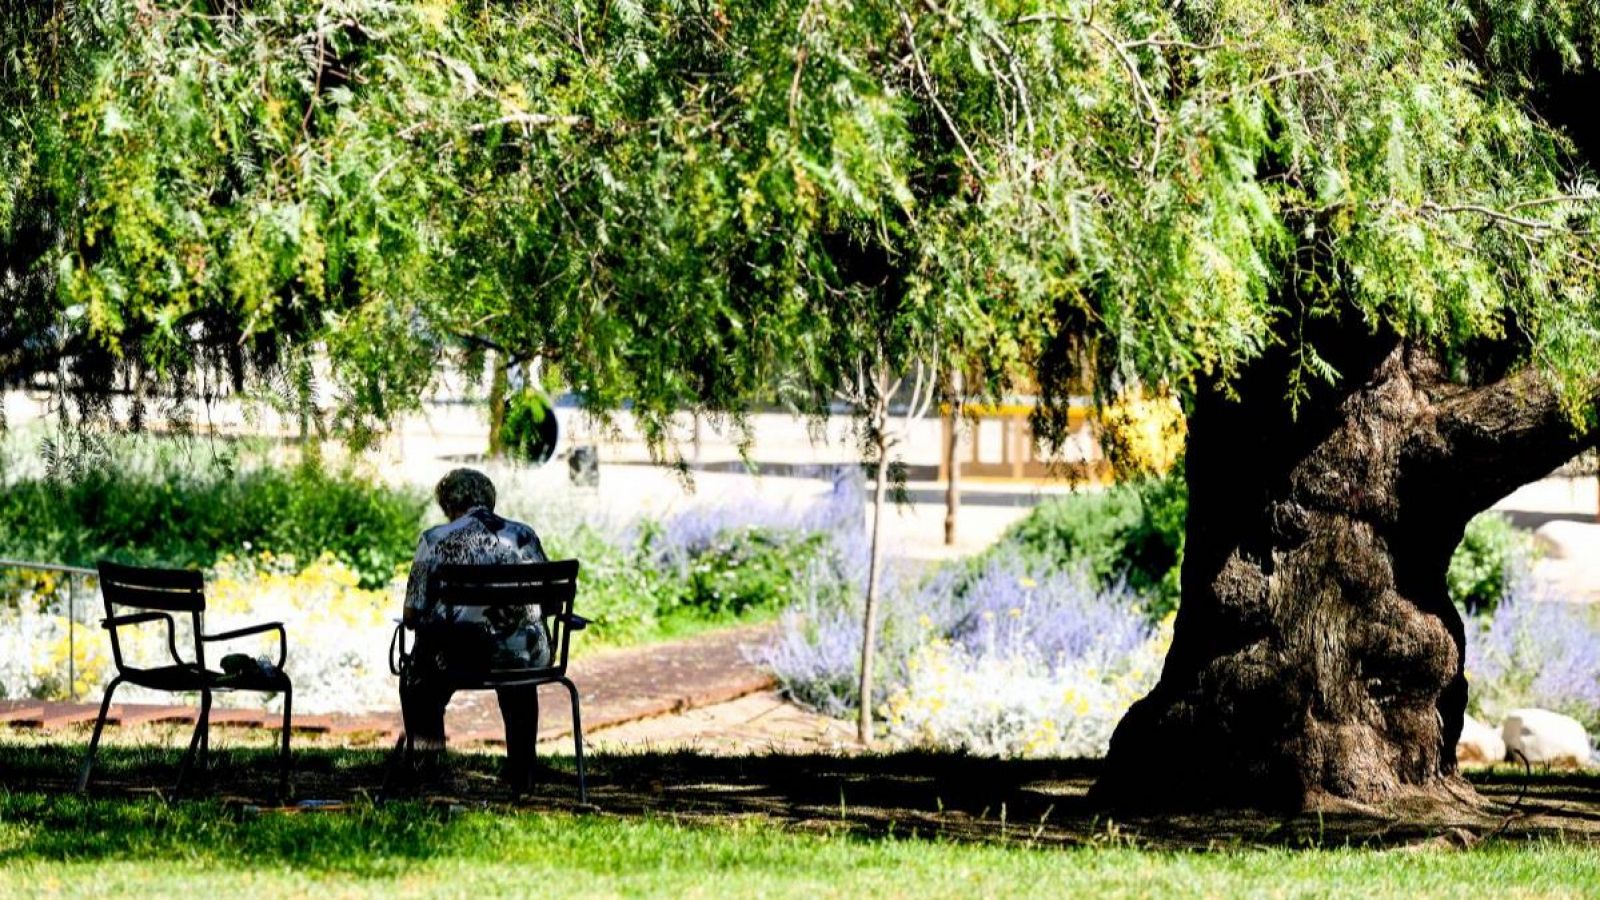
{"x":450,"y":651}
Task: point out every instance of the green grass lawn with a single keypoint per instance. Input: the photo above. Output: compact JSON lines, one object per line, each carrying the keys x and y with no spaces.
{"x":72,"y":846}
{"x":686,"y":825}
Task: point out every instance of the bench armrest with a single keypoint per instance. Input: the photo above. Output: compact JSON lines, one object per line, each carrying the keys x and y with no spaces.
{"x":283,"y":637}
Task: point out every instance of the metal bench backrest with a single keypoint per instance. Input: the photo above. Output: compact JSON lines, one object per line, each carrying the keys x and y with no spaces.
{"x":551,"y":587}
{"x":154,"y":590}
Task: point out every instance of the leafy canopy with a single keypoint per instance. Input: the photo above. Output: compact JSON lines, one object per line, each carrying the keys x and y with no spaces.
{"x":701,"y":203}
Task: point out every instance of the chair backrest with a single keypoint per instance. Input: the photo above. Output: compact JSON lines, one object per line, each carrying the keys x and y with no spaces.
{"x":549,"y":586}
{"x":135,"y":588}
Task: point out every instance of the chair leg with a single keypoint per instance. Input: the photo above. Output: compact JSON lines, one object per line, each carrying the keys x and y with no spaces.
{"x":283,"y":765}
{"x":201,"y":727}
{"x":577,"y":740}
{"x":205,"y":747}
{"x":399,"y":758}
{"x":94,"y":741}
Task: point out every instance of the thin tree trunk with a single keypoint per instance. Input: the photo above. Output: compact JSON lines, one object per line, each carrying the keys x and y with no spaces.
{"x":869,"y":634}
{"x":498,"y":388}
{"x":952,"y":490}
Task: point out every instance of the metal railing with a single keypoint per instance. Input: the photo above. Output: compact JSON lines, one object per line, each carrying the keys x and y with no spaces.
{"x":74,"y":574}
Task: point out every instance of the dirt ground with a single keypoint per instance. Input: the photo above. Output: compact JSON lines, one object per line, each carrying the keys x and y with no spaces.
{"x":762,"y":722}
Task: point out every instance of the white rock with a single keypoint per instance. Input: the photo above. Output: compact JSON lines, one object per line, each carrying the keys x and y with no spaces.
{"x":1546,"y":738}
{"x":1568,"y":539}
{"x":1479,"y":744}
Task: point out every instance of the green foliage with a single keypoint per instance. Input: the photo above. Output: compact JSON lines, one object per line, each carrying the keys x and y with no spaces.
{"x":631,"y":588}
{"x":620,"y":593}
{"x":1489,"y":557}
{"x":176,"y":508}
{"x":713,"y":204}
{"x":529,"y":421}
{"x":749,"y":569}
{"x":1133,"y":532}
{"x":191,"y":515}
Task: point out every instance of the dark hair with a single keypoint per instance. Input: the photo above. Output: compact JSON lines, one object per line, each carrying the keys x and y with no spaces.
{"x":463,"y":489}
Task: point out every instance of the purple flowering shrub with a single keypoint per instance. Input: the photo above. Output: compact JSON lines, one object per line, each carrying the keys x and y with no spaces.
{"x":1015,"y":607}
{"x":728,"y":559}
{"x":709,"y":562}
{"x":1535,"y":650}
{"x":680,"y":538}
{"x":1008,"y":658}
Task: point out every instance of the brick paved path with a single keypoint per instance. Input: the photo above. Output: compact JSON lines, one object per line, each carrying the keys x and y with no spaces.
{"x":615,"y":687}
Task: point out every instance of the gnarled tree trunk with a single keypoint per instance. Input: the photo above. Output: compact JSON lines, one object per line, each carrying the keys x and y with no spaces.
{"x":1317,"y":654}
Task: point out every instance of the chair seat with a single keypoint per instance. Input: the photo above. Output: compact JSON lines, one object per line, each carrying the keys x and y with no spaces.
{"x":508,"y":678}
{"x":191,"y":678}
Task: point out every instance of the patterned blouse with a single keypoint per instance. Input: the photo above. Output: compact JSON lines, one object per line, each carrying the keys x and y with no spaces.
{"x":482,"y":538}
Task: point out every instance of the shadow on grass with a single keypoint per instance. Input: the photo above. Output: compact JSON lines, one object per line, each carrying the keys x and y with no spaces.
{"x":910,"y":795}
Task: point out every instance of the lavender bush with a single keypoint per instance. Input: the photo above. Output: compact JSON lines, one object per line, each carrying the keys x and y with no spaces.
{"x":1535,"y":650}
{"x":678,"y":539}
{"x":709,"y":562}
{"x":1009,"y":659}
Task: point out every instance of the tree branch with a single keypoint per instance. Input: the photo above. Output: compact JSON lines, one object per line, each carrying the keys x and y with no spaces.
{"x":933,"y":95}
{"x":1486,"y":442}
{"x":530,"y":121}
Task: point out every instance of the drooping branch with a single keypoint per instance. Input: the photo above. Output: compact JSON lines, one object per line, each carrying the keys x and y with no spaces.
{"x":529,"y":121}
{"x":933,"y":95}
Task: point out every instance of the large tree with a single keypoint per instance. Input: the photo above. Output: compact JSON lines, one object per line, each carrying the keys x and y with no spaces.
{"x":1357,"y":240}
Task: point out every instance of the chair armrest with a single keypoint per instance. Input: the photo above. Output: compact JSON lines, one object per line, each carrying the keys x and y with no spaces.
{"x":574,"y":621}
{"x":241,"y":632}
{"x":283,"y":637}
{"x":111,"y":623}
{"x":398,"y":655}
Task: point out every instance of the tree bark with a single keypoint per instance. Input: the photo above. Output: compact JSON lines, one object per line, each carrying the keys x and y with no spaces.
{"x":952,"y":488}
{"x":869,"y":633}
{"x":1317,"y":656}
{"x":499,"y":387}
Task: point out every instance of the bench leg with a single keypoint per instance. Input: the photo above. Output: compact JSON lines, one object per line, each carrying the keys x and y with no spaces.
{"x":283,"y":764}
{"x":577,"y":740}
{"x":94,"y":741}
{"x":201,"y":728}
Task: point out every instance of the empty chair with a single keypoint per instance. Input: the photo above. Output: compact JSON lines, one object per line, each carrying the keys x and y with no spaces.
{"x":137,"y":596}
